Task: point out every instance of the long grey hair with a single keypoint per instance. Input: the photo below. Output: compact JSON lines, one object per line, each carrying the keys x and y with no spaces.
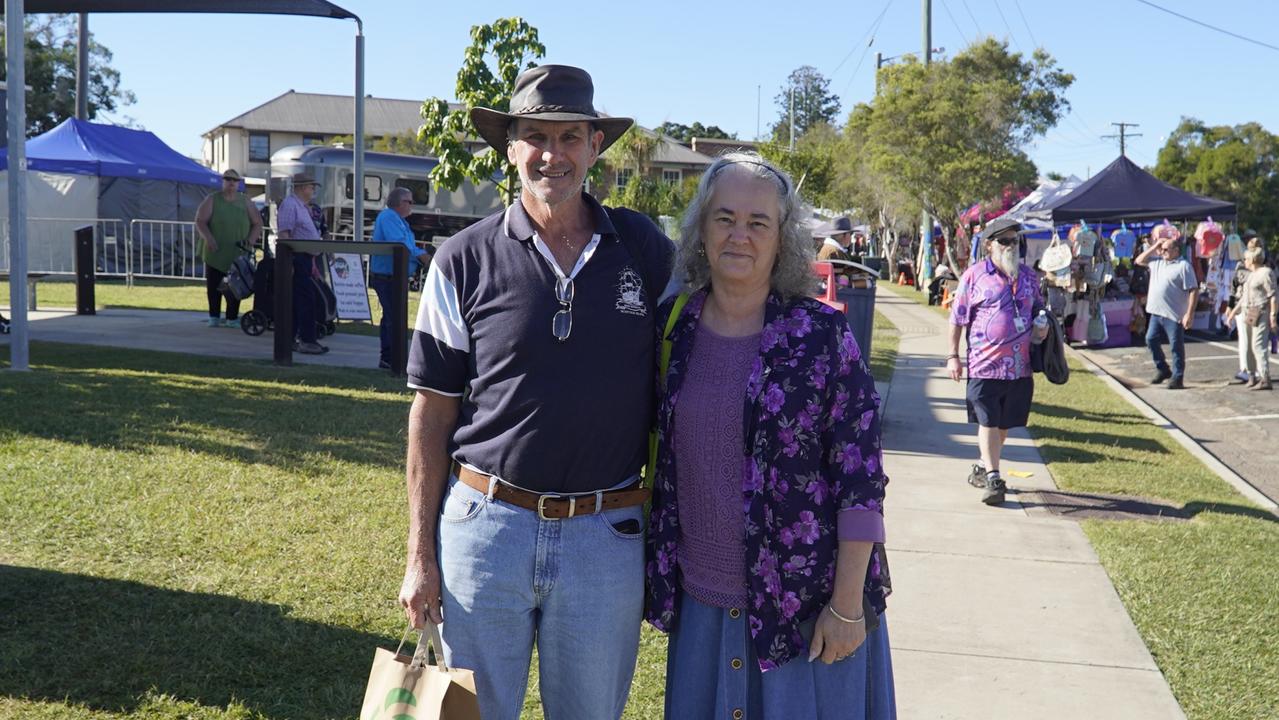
{"x":792,"y":274}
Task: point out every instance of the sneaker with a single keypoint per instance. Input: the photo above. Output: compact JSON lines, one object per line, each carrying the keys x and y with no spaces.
{"x":215,"y":322}
{"x":312,"y":348}
{"x":1176,"y":384}
{"x":1160,"y":376}
{"x":995,"y":489}
{"x":977,"y":478}
{"x":384,"y":364}
{"x":232,"y":323}
{"x":1241,"y":378}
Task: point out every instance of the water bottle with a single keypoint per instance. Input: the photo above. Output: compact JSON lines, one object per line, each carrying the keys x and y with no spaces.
{"x":1041,"y":323}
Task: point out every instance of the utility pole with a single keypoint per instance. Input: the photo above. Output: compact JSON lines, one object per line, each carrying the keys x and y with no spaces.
{"x":926,"y":222}
{"x":792,"y":118}
{"x":1123,"y":136}
{"x":879,"y":63}
{"x":82,"y":69}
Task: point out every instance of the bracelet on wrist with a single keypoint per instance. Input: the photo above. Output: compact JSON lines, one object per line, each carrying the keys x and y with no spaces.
{"x":843,"y":619}
{"x":953,"y":356}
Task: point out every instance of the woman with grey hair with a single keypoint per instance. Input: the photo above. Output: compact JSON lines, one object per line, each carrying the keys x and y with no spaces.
{"x":765,"y":556}
{"x":392,"y":226}
{"x":1254,"y":316}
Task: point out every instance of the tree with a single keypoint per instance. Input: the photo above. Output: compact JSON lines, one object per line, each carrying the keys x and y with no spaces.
{"x":405,"y":143}
{"x":51,"y":72}
{"x":859,"y":187}
{"x":814,"y":103}
{"x":513,"y":45}
{"x":1239,"y":164}
{"x":686,"y":133}
{"x":811,"y":165}
{"x":952,"y":133}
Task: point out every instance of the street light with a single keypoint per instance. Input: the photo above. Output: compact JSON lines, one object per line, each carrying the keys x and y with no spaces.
{"x":881,"y":61}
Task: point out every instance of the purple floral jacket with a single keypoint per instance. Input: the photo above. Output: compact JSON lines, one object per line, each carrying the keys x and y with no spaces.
{"x":812,"y":448}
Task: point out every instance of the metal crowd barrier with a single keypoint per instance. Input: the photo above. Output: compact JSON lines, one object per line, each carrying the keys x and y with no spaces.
{"x":50,"y":245}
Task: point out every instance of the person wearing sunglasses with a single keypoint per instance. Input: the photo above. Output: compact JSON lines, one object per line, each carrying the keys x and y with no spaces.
{"x":533,"y":362}
{"x":765,"y":559}
{"x":995,"y":307}
{"x":392,"y":226}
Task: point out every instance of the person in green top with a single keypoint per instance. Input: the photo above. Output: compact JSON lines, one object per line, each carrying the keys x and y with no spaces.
{"x":225,"y":221}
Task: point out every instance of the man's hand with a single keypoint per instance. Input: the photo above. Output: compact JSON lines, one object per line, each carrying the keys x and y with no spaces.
{"x":420,"y":592}
{"x":211,"y":244}
{"x":1188,"y":320}
{"x":954,"y":368}
{"x":834,"y":639}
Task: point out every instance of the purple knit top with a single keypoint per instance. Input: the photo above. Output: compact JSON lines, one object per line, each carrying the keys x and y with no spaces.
{"x":709,"y":426}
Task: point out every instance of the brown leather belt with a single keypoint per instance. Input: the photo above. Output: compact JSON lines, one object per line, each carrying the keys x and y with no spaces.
{"x":556,"y":507}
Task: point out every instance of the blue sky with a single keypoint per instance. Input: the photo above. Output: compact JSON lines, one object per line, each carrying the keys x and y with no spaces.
{"x":706,"y":61}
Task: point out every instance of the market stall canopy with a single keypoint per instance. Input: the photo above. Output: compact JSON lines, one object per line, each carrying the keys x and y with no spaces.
{"x":315,"y":8}
{"x":1123,"y":191}
{"x":1048,"y":192}
{"x":79,"y":147}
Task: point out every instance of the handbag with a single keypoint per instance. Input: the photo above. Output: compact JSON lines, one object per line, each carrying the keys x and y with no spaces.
{"x":1057,"y":256}
{"x":1097,"y":332}
{"x":404,"y":687}
{"x":1235,"y":247}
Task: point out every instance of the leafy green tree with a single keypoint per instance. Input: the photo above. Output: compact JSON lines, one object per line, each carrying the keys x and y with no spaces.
{"x":814,"y":103}
{"x":685,"y":133}
{"x":859,"y":188}
{"x":51,"y":71}
{"x":952,"y":133}
{"x":1239,"y":164}
{"x":811,"y":165}
{"x":513,"y":45}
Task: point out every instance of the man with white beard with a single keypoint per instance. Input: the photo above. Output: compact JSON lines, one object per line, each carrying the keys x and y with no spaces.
{"x":995,"y":306}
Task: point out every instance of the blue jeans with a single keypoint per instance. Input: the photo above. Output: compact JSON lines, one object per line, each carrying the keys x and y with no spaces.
{"x":1176,"y":336}
{"x":574,"y":587}
{"x":382,"y":286}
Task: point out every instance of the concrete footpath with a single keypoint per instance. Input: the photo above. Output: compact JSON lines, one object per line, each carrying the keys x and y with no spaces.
{"x":997,"y":612}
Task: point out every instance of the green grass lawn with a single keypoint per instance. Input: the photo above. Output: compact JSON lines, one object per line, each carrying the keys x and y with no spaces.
{"x":1202,"y":593}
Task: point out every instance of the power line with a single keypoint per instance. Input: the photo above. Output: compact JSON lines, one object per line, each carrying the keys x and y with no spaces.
{"x":1123,"y":135}
{"x":952,"y":22}
{"x":1210,"y":27}
{"x":976,"y":27}
{"x":866,"y":50}
{"x":1023,"y":21}
{"x":868,"y":34}
{"x":1006,"y":25}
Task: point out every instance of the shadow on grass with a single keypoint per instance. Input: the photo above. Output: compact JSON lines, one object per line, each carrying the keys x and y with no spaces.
{"x":1095,"y":506}
{"x":105,"y":643}
{"x":135,"y":400}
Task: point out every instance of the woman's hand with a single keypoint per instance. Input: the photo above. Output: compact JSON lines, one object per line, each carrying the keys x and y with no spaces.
{"x":834,"y":639}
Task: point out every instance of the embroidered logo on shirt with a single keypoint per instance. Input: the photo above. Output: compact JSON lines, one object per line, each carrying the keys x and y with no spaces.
{"x":630,"y":294}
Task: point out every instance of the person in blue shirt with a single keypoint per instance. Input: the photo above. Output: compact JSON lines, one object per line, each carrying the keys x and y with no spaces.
{"x":391,"y":226}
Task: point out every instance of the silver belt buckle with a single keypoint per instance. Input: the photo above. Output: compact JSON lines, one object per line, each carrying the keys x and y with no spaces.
{"x":541,"y":506}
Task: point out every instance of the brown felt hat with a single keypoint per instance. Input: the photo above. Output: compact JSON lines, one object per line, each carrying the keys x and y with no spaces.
{"x":303,"y":179}
{"x":558,"y":93}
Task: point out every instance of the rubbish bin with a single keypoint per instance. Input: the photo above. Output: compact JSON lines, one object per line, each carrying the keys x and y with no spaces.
{"x":860,"y":304}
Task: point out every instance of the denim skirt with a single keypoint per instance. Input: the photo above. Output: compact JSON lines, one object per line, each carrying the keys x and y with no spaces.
{"x":712,"y":672}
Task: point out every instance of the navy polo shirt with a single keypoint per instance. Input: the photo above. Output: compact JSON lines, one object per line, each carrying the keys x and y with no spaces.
{"x":546,"y":415}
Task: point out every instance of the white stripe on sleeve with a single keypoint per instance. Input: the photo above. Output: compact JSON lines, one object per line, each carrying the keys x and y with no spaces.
{"x":440,"y":313}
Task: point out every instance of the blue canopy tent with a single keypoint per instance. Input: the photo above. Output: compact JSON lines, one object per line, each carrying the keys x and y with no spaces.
{"x":85,"y":170}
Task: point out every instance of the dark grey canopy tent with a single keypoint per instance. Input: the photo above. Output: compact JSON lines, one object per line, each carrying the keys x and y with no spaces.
{"x":1123,"y":191}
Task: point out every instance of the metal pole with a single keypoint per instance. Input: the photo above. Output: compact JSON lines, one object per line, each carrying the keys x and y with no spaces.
{"x":879,"y":63}
{"x":926,"y":223}
{"x":357,"y":182}
{"x":15,"y":46}
{"x":82,"y":69}
{"x":792,"y":118}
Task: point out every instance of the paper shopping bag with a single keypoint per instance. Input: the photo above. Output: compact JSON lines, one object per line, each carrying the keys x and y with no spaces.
{"x":407,"y":687}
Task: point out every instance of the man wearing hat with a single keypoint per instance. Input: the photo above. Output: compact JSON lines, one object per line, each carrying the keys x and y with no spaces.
{"x":995,"y":307}
{"x":293,"y":222}
{"x":837,"y":245}
{"x":227,"y":223}
{"x":533,"y":362}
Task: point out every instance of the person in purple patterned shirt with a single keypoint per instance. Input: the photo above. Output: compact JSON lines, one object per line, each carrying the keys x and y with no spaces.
{"x":995,"y":306}
{"x":765,"y":547}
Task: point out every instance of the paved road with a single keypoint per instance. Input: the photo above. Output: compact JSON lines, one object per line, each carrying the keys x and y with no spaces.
{"x":1238,"y":426}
